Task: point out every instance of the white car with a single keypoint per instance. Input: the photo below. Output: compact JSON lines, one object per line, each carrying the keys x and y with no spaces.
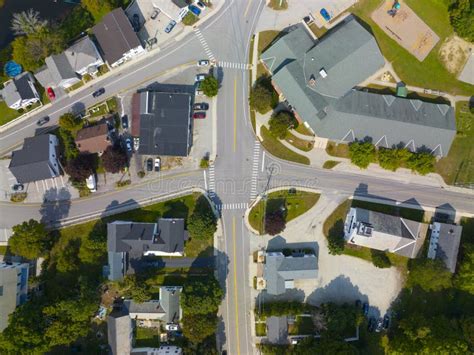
{"x":203,"y":63}
{"x":200,"y":4}
{"x":200,"y":77}
{"x":171,"y":326}
{"x":91,"y":183}
{"x":157,"y":164}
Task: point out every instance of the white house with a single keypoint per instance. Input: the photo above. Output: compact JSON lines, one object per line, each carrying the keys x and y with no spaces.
{"x":20,"y":91}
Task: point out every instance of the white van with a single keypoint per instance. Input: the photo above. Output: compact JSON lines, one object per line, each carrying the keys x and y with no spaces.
{"x":91,"y":183}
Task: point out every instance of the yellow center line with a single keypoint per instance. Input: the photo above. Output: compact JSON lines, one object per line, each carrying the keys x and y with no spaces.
{"x":235,"y":290}
{"x":235,"y":114}
{"x":247,"y":8}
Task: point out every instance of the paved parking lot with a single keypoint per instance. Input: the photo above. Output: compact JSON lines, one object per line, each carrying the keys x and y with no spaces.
{"x":334,"y":9}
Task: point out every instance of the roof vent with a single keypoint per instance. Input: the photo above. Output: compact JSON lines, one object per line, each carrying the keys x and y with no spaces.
{"x":323,"y":73}
{"x":416,"y":104}
{"x":443,"y":109}
{"x":389,"y":99}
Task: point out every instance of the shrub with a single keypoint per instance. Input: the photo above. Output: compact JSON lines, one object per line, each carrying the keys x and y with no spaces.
{"x":190,"y":19}
{"x":280,"y":123}
{"x":202,"y":223}
{"x":335,"y":244}
{"x":210,"y":86}
{"x":70,"y":121}
{"x":204,"y":164}
{"x":429,"y":274}
{"x":141,"y":174}
{"x":262,"y":95}
{"x":461,"y":16}
{"x":380,"y":259}
{"x":114,"y":159}
{"x":123,"y":183}
{"x":18,"y":196}
{"x":423,"y":163}
{"x":362,"y":154}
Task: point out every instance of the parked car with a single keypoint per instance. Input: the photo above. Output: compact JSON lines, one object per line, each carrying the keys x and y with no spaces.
{"x":203,"y":63}
{"x":170,"y":26}
{"x":386,"y":322}
{"x":201,"y":106}
{"x":371,"y":324}
{"x":379,"y":326}
{"x":125,"y":122}
{"x":128,"y":144}
{"x":136,"y":22}
{"x":325,"y":14}
{"x":136,"y":143}
{"x":158,"y":166}
{"x":200,"y":77}
{"x":155,"y":14}
{"x":149,"y":164}
{"x":91,"y":183}
{"x":200,"y":4}
{"x":171,"y":326}
{"x":195,"y":10}
{"x":18,"y":187}
{"x":198,"y":115}
{"x":42,"y":121}
{"x":99,"y":92}
{"x":51,"y":93}
{"x":365,"y":309}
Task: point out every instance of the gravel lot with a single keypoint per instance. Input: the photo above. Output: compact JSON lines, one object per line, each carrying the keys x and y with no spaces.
{"x":341,"y":278}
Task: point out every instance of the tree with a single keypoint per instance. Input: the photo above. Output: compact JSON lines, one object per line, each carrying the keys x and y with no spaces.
{"x":423,"y":162}
{"x":77,"y":21}
{"x":461,"y":15}
{"x":340,"y":318}
{"x":260,"y":98}
{"x":201,"y":296}
{"x":429,"y":274}
{"x":70,"y":121}
{"x":362,"y":154}
{"x":99,"y":8}
{"x":30,"y":51}
{"x":465,"y":277}
{"x":210,"y":86}
{"x":275,"y":222}
{"x":190,"y":19}
{"x":327,"y":344}
{"x":68,"y":144}
{"x":281,"y":122}
{"x":202,"y":223}
{"x":197,"y":327}
{"x":380,"y":259}
{"x":392,"y":159}
{"x":81,"y":167}
{"x":94,"y":247}
{"x":114,"y":159}
{"x":30,"y":239}
{"x":27,"y":22}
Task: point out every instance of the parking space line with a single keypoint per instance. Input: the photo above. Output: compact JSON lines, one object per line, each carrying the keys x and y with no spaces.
{"x":37,"y":188}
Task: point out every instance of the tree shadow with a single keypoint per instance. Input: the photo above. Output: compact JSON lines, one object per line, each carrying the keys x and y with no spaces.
{"x":175,"y":209}
{"x":55,"y":206}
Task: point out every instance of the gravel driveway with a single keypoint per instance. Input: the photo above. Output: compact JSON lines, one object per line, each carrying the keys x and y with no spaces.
{"x":341,"y":278}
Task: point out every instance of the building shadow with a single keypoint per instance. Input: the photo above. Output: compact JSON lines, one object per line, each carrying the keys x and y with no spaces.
{"x":444,"y":213}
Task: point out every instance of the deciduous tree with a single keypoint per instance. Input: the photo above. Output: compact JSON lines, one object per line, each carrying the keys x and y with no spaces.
{"x":114,"y":159}
{"x":81,"y":167}
{"x":362,"y":154}
{"x":27,"y":22}
{"x":423,"y":162}
{"x":99,"y":8}
{"x":30,"y":239}
{"x":465,"y":276}
{"x":202,"y":223}
{"x":281,"y":122}
{"x":380,"y":259}
{"x":275,"y":222}
{"x":461,"y":15}
{"x":201,"y":296}
{"x":70,"y":121}
{"x":210,"y":86}
{"x":429,"y":274}
{"x":197,"y":327}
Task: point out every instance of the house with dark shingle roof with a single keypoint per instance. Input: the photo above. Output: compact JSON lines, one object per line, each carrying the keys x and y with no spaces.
{"x":384,"y":232}
{"x":93,"y":139}
{"x":117,"y":39}
{"x":129,"y":242}
{"x":277,"y":330}
{"x":36,"y":160}
{"x":281,"y":271}
{"x":318,"y":79}
{"x":444,"y":243}
{"x":20,"y":91}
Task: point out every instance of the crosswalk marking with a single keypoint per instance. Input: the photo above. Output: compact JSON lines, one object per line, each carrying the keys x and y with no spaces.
{"x":239,"y":66}
{"x":232,"y":206}
{"x":212,"y":181}
{"x":204,"y":44}
{"x":256,"y":157}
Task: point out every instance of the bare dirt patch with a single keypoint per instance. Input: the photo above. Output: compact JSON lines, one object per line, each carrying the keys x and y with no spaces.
{"x":454,"y":53}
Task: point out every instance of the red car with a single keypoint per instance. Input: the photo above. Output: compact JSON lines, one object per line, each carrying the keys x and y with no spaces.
{"x":51,"y":93}
{"x":199,"y":115}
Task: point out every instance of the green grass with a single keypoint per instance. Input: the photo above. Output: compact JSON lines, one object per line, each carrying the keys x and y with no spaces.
{"x":253,"y":120}
{"x":265,"y":38}
{"x":329,"y":164}
{"x":318,"y":32}
{"x":301,"y":144}
{"x":458,"y":167}
{"x":302,"y":129}
{"x":4,"y":249}
{"x":302,"y":326}
{"x":7,"y":114}
{"x":340,"y":150}
{"x":295,"y":203}
{"x":147,"y":337}
{"x":278,"y":4}
{"x":190,"y":19}
{"x":261,"y":329}
{"x":75,"y":86}
{"x":275,"y":147}
{"x":427,"y":74}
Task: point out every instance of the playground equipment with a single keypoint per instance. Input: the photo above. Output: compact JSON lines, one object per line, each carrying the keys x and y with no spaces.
{"x":395,"y":7}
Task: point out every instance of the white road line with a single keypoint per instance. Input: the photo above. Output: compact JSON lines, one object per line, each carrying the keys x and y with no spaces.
{"x":205,"y":179}
{"x":263,"y":160}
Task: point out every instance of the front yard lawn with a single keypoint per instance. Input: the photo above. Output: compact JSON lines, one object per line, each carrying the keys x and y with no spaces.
{"x":275,"y":147}
{"x":261,"y":329}
{"x":295,"y":203}
{"x":7,"y":114}
{"x":265,"y":38}
{"x":147,"y":337}
{"x":301,"y":144}
{"x":458,"y":167}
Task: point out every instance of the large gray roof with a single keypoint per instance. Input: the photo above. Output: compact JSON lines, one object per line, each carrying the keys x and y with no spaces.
{"x":165,"y":123}
{"x":279,"y":268}
{"x":349,"y":54}
{"x":119,"y":331}
{"x":169,"y":301}
{"x":60,"y":68}
{"x":448,"y":245}
{"x":277,"y":329}
{"x":31,"y":162}
{"x":82,"y":54}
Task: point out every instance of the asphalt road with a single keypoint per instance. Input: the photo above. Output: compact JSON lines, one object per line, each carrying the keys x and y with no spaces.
{"x":241,"y":172}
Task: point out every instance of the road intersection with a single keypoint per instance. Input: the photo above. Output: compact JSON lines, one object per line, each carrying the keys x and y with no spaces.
{"x":241,"y":170}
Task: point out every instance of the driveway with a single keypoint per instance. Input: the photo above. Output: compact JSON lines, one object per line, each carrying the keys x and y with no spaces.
{"x":341,"y":278}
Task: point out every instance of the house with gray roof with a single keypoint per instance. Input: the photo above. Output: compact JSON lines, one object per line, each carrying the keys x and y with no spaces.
{"x":166,"y":309}
{"x":384,"y":232}
{"x":67,"y":68}
{"x":36,"y":160}
{"x":281,"y":271}
{"x":444,"y":244}
{"x":318,"y":79}
{"x":277,"y":330}
{"x":20,"y":91}
{"x":13,"y":289}
{"x":119,"y":330}
{"x":129,"y":242}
